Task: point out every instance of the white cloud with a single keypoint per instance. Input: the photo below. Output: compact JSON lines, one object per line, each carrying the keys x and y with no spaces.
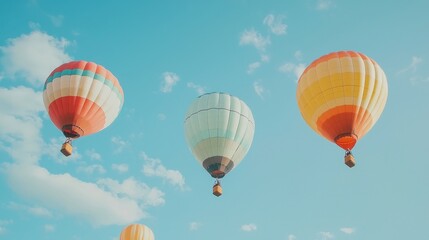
{"x":326,"y":235}
{"x":252,"y":67}
{"x":153,"y":167}
{"x":93,"y":155}
{"x":33,"y":56}
{"x":324,"y":4}
{"x":132,"y":189}
{"x":49,"y":228}
{"x":412,"y":67}
{"x":161,"y":116}
{"x":169,"y":80}
{"x":53,"y":147}
{"x":248,"y":227}
{"x":291,"y":237}
{"x":251,"y":37}
{"x":97,"y":206}
{"x":57,"y":20}
{"x":259,"y":89}
{"x":265,"y":58}
{"x":20,"y":123}
{"x":119,"y":143}
{"x":3,"y":224}
{"x":199,"y":89}
{"x":296,"y":69}
{"x":95,"y":168}
{"x":275,"y":24}
{"x":121,"y":168}
{"x":298,"y":55}
{"x":37,"y":211}
{"x":193,"y":226}
{"x":347,"y":230}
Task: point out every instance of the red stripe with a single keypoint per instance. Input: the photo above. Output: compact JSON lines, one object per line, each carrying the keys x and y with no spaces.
{"x":341,"y":125}
{"x":78,"y":111}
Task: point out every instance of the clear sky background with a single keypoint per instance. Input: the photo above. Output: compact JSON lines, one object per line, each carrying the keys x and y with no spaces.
{"x":292,"y":185}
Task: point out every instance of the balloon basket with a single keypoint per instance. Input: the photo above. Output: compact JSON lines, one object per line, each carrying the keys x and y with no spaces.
{"x":217,"y":190}
{"x":349,"y":160}
{"x":67,"y":149}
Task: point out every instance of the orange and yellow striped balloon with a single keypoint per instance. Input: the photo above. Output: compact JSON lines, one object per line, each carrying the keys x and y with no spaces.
{"x":137,"y":232}
{"x":341,"y":95}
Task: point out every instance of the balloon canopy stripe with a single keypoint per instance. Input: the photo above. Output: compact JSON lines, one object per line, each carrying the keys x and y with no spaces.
{"x":137,"y":232}
{"x":85,"y":114}
{"x":78,"y":72}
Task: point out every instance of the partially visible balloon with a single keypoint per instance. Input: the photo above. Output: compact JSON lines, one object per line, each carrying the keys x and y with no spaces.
{"x":137,"y":232}
{"x":82,"y":98}
{"x":219,"y":130}
{"x":341,"y":96}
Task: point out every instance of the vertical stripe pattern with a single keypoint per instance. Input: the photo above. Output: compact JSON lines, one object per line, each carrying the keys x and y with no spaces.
{"x":219,"y":130}
{"x":82,"y":98}
{"x":137,"y":232}
{"x":341,"y":95}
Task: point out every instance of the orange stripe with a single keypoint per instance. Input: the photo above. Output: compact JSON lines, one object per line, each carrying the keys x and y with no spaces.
{"x":342,"y":121}
{"x":93,"y":67}
{"x":333,"y":55}
{"x":72,"y":110}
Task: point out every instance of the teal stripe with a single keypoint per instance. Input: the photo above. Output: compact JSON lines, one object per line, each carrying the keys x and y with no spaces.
{"x":85,"y":73}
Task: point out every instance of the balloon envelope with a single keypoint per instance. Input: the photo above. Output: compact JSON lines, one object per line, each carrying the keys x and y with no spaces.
{"x":82,"y":98}
{"x":137,"y":232}
{"x":341,"y":95}
{"x":219,"y":130}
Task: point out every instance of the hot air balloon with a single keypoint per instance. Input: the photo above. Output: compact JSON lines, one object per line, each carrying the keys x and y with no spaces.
{"x":81,"y":98}
{"x":341,"y":96}
{"x":219,"y":131}
{"x":137,"y":232}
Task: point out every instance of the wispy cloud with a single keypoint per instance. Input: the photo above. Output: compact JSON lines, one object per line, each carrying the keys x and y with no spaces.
{"x":57,"y":20}
{"x":412,"y":67}
{"x":49,"y":228}
{"x":193,"y":226}
{"x":253,"y":38}
{"x":121,"y":168}
{"x":52,"y":149}
{"x":3,"y":224}
{"x":411,"y":71}
{"x":252,"y":67}
{"x":91,"y":169}
{"x":347,"y":230}
{"x":93,"y":155}
{"x":199,"y":89}
{"x":169,"y":80}
{"x":291,"y":237}
{"x":248,"y":227}
{"x":324,"y":5}
{"x":275,"y":23}
{"x":298,"y":55}
{"x":161,"y":116}
{"x":259,"y":89}
{"x":132,"y":189}
{"x":296,"y":69}
{"x":326,"y":235}
{"x":153,"y":167}
{"x":36,"y":211}
{"x":33,"y":56}
{"x":119,"y":144}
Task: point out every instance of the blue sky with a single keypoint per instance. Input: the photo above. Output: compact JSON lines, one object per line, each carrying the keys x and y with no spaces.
{"x":292,"y":185}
